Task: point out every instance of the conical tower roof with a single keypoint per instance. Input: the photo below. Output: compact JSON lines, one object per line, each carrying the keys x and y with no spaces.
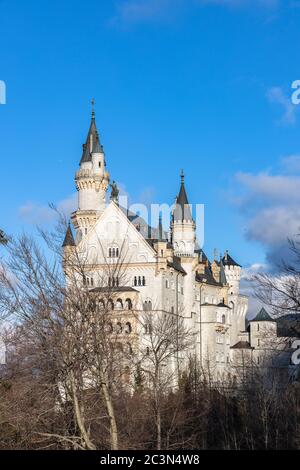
{"x":182,"y":209}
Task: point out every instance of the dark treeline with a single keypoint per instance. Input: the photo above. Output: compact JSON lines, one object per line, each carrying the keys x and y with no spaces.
{"x":195,"y":416}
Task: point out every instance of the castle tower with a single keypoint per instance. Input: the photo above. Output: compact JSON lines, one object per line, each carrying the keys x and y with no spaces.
{"x":183,"y":226}
{"x":233,"y":273}
{"x":92,"y":181}
{"x":237,"y":303}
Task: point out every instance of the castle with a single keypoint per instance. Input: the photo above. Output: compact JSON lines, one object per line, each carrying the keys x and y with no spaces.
{"x":165,"y":272}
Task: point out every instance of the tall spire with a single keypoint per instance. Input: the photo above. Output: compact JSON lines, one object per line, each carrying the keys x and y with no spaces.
{"x":93,"y":108}
{"x":182,"y":209}
{"x":69,"y":239}
{"x":160,"y":228}
{"x":92,"y":144}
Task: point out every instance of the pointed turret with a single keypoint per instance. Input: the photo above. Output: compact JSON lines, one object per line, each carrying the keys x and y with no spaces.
{"x":92,"y":144}
{"x":160,"y":229}
{"x":182,"y":209}
{"x":92,"y":180}
{"x":183,"y":227}
{"x":69,"y":239}
{"x":263,"y":315}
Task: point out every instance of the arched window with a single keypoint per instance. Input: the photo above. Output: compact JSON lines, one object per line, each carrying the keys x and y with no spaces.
{"x":117,"y":282}
{"x":139,"y":281}
{"x":144,"y":281}
{"x":147,"y":351}
{"x":109,"y":282}
{"x":147,"y":306}
{"x":128,"y":328}
{"x":223,"y":319}
{"x":128,"y":304}
{"x":101,"y":305}
{"x":84,"y":280}
{"x":117,"y":252}
{"x":119,"y":328}
{"x":135,"y":281}
{"x":113,"y":253}
{"x":119,"y":304}
{"x":109,"y":253}
{"x":110,"y":305}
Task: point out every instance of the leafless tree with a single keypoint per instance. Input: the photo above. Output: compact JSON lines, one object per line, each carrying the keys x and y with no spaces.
{"x":165,"y":342}
{"x":67,"y":323}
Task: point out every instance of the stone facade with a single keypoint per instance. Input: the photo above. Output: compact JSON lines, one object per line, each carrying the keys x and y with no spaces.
{"x":161,"y":273}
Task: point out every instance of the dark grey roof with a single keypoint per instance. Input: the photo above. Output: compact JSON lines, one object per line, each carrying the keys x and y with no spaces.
{"x":92,"y":143}
{"x":242,"y":345}
{"x":201,"y":255}
{"x":69,"y":239}
{"x":175,"y":264}
{"x":228,"y":261}
{"x":150,"y":234}
{"x":114,"y":289}
{"x":263,"y":316}
{"x":207,"y":277}
{"x":182,"y":209}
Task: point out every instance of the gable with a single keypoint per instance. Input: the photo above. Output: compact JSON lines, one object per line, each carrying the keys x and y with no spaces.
{"x":114,"y":231}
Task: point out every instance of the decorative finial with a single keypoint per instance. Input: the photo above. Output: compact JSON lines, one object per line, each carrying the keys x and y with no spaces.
{"x":182,"y":176}
{"x":93,"y":108}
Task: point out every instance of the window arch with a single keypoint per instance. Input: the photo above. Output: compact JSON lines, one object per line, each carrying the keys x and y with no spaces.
{"x":128,"y":329}
{"x":113,"y":251}
{"x":110,"y":305}
{"x":223,"y":319}
{"x":143,"y":281}
{"x":128,"y":304}
{"x":119,"y":328}
{"x":147,"y":306}
{"x":101,"y":304}
{"x":119,"y":304}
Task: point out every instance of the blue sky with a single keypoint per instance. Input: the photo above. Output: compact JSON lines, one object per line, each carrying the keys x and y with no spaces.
{"x":202,"y":85}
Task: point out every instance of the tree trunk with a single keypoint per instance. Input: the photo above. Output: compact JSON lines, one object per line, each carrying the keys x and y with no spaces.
{"x":79,"y":417}
{"x":114,"y":445}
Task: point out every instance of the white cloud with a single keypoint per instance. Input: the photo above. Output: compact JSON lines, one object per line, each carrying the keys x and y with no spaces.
{"x":37,"y":214}
{"x":277,"y":96}
{"x":267,"y":188}
{"x":270,"y":205}
{"x":291,"y":164}
{"x":140,"y":11}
